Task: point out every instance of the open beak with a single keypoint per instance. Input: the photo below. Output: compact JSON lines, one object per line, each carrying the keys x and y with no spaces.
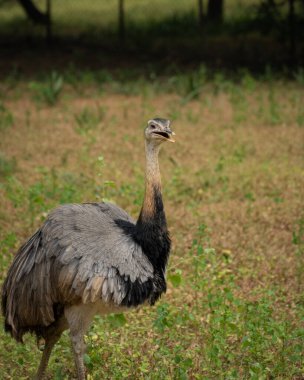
{"x":166,"y":135}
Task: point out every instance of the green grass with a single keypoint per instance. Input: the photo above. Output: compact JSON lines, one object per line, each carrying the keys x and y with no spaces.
{"x":88,"y":119}
{"x":7,"y":166}
{"x":233,"y":191}
{"x":6,"y":117}
{"x":48,"y":90}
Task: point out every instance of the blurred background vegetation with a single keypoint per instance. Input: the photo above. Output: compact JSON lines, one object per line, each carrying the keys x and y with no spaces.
{"x":161,"y":33}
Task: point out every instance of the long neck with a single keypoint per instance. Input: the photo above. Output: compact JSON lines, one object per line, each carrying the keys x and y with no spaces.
{"x":152,"y":211}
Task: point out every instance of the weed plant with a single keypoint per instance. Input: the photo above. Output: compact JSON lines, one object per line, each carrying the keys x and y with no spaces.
{"x":48,"y":91}
{"x":6,"y":117}
{"x":7,"y":166}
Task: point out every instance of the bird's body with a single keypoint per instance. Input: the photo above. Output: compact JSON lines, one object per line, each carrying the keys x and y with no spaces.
{"x":89,"y":259}
{"x":83,"y":253}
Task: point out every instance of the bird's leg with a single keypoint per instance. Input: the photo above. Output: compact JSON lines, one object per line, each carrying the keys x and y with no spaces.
{"x":49,"y":344}
{"x":52,"y":336}
{"x":79,"y":347}
{"x":79,"y":318}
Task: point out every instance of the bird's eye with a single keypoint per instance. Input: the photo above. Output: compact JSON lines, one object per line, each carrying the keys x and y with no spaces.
{"x":152,"y":126}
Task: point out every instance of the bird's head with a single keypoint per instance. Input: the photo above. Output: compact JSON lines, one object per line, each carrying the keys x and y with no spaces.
{"x":158,"y":130}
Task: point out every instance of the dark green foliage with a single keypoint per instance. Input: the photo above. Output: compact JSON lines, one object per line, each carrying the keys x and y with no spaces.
{"x":48,"y":91}
{"x":6,"y":117}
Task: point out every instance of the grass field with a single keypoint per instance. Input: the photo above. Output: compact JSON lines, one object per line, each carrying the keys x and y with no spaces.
{"x":233,"y":189}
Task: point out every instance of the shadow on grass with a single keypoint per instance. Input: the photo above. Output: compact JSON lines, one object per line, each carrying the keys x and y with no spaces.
{"x":162,"y":47}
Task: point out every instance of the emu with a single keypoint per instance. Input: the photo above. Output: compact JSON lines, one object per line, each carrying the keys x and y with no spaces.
{"x":89,"y":259}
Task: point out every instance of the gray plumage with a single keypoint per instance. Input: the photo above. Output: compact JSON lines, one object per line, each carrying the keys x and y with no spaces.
{"x":86,"y":259}
{"x":66,"y":251}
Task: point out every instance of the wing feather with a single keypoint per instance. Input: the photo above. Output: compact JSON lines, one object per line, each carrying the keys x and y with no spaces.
{"x":107,"y":257}
{"x":80,"y":253}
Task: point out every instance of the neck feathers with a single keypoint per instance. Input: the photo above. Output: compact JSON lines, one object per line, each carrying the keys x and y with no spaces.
{"x":151,"y":227}
{"x":152,"y":211}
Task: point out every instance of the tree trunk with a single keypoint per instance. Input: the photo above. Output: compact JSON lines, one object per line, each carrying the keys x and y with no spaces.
{"x":121,"y":20}
{"x":200,"y":13}
{"x":33,"y":12}
{"x":215,"y":10}
{"x":292,"y":32}
{"x":49,"y":21}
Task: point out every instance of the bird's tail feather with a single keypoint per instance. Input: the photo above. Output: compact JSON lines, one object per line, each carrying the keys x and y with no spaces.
{"x":13,"y":295}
